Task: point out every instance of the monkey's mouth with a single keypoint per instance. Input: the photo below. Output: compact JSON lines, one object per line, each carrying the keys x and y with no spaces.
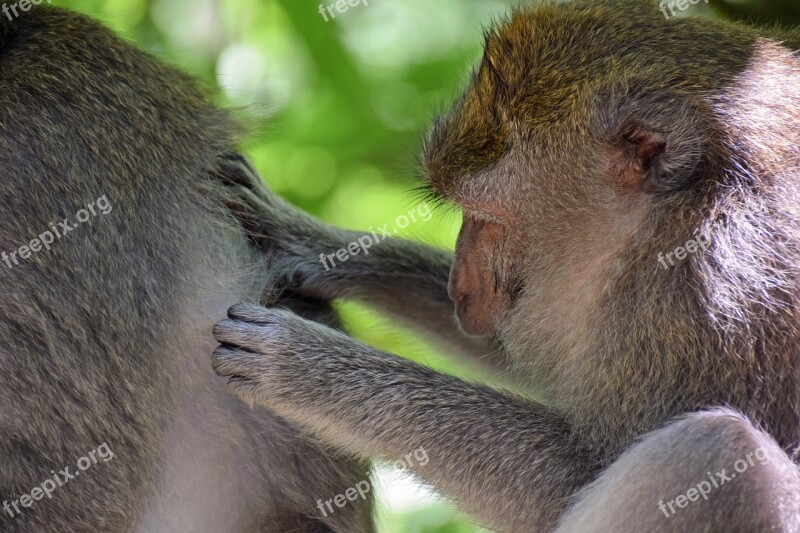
{"x":474,"y":319}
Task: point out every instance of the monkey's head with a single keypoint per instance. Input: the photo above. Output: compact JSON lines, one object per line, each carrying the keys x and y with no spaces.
{"x":593,"y":136}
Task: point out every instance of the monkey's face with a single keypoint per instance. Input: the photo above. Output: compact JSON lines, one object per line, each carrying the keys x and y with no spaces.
{"x":535,"y":250}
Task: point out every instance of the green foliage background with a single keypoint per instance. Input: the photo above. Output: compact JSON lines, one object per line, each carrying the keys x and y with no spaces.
{"x":338,"y":110}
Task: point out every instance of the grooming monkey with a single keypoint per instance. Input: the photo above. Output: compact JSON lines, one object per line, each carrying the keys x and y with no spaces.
{"x":594,"y":136}
{"x":105,"y":336}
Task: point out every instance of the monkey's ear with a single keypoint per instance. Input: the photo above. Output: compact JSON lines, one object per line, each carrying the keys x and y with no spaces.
{"x":660,"y":140}
{"x":642,"y":154}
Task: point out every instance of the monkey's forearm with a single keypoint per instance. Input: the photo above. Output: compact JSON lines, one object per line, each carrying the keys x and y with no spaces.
{"x":507,"y":461}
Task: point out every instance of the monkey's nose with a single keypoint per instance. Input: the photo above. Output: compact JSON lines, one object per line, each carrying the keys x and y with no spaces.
{"x":456,"y":288}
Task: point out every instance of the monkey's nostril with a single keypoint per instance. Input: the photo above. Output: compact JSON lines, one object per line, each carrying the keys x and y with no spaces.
{"x":457,"y":289}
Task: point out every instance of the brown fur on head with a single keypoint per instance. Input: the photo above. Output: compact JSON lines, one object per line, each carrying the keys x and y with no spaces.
{"x":594,"y":136}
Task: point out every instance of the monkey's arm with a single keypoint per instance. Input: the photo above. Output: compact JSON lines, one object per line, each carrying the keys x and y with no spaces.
{"x":511,"y":462}
{"x":404,"y":279}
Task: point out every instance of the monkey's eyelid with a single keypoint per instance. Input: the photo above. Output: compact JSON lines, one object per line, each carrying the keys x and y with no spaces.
{"x":425,"y":193}
{"x":426,"y":188}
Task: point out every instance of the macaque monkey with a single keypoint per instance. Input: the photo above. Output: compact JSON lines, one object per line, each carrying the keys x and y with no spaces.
{"x":120,"y":250}
{"x":595,"y":135}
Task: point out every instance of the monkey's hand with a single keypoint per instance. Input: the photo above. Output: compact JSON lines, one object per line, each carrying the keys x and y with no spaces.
{"x":291,"y":239}
{"x":313,"y":374}
{"x":276,"y":358}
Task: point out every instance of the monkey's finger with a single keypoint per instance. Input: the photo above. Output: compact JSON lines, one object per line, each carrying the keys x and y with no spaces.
{"x":254,"y":213}
{"x":258,"y":338}
{"x":256,"y":202}
{"x":233,"y":331}
{"x":237,"y":169}
{"x":234,"y":362}
{"x":254,"y":313}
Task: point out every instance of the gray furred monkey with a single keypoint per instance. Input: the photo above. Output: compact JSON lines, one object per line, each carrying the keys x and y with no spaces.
{"x":105,"y":335}
{"x":595,"y":138}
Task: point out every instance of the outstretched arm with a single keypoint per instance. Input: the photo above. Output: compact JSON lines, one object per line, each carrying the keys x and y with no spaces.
{"x":512,"y":462}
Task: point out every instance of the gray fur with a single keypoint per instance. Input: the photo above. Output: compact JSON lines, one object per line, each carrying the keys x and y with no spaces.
{"x":105,"y":338}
